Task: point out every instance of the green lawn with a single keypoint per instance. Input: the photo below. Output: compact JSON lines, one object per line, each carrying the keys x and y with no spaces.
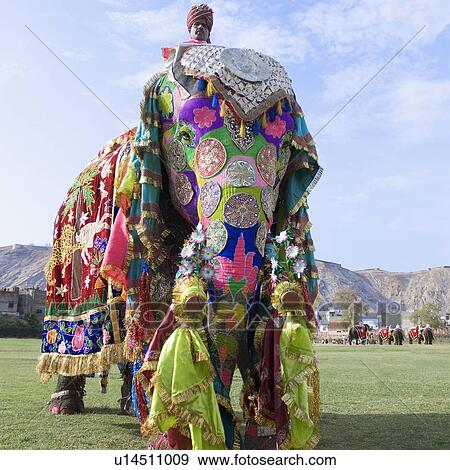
{"x":373,"y":397}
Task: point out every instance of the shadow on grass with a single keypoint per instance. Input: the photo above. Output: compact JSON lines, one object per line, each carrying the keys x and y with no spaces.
{"x":134,"y":427}
{"x":103,"y":411}
{"x":385,"y":431}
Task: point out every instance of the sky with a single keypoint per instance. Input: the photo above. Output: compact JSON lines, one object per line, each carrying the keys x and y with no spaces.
{"x":383,"y":200}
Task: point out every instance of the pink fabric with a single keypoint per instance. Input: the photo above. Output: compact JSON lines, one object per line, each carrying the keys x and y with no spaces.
{"x":116,"y":252}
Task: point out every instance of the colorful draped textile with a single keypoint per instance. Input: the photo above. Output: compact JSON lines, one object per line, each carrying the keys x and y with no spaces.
{"x":297,"y":365}
{"x":83,"y":329}
{"x":183,"y":395}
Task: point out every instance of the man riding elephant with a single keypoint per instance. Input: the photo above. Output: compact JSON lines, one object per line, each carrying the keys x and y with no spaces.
{"x":210,"y":220}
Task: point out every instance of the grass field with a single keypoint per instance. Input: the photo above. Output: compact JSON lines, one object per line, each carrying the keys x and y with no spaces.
{"x":373,"y":397}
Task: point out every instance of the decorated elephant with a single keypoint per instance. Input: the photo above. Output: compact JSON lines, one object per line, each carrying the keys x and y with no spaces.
{"x":185,"y":248}
{"x":385,"y":334}
{"x":398,"y":335}
{"x":358,"y":334}
{"x":421,"y":334}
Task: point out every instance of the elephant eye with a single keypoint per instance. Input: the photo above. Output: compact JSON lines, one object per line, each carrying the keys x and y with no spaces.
{"x":185,"y":134}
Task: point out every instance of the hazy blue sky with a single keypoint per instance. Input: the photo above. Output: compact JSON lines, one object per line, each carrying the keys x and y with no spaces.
{"x":384,"y":198}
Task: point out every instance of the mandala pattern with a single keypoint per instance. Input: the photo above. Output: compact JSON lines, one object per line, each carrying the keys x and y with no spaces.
{"x":216,"y":236}
{"x":210,"y":198}
{"x":183,"y":189}
{"x":176,"y":156}
{"x":241,"y":173}
{"x":211,"y":157}
{"x":267,"y":202}
{"x":266,"y":161}
{"x":241,"y":210}
{"x":242,"y":143}
{"x":261,"y":236}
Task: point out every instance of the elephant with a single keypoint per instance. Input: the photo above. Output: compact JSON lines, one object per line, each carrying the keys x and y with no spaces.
{"x":421,"y":334}
{"x":427,"y":334}
{"x":358,"y":334}
{"x":385,"y":334}
{"x":398,"y":336}
{"x":207,"y":237}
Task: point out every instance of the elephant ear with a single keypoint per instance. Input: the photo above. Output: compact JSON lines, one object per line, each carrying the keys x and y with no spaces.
{"x":304,"y":171}
{"x":145,"y":210}
{"x":139,"y":197}
{"x":301,"y":177}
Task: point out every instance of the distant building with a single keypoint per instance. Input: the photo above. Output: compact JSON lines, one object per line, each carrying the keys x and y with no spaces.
{"x":22,"y":302}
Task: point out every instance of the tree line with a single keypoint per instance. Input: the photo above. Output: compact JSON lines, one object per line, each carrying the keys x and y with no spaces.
{"x":20,"y":327}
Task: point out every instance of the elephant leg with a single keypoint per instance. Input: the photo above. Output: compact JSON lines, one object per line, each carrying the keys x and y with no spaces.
{"x":68,"y":396}
{"x":126,"y":371}
{"x":104,"y":380}
{"x":226,"y":334}
{"x":257,"y":436}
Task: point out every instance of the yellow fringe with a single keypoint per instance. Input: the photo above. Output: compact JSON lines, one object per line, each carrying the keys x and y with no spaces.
{"x":50,"y":364}
{"x":194,"y":390}
{"x":223,"y":109}
{"x":210,"y":90}
{"x":140,"y":376}
{"x":263,"y":120}
{"x":279,"y":108}
{"x":310,"y":444}
{"x":242,"y":129}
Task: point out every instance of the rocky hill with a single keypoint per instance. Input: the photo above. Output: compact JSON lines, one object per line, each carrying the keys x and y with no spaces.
{"x":22,"y":266}
{"x":412,"y":289}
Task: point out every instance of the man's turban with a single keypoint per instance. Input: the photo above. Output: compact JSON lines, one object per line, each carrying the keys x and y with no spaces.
{"x":200,"y":13}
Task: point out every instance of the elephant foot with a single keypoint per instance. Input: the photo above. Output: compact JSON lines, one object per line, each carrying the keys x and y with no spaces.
{"x":68,"y":397}
{"x":63,"y":403}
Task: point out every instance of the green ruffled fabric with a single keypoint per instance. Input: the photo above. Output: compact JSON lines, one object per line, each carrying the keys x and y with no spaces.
{"x":297,"y":360}
{"x":184,"y":396}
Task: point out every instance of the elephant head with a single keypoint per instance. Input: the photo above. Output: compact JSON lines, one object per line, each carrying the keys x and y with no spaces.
{"x":224,"y":123}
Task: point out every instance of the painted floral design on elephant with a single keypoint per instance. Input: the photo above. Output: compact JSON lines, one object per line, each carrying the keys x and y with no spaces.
{"x":237,"y":274}
{"x":204,"y":116}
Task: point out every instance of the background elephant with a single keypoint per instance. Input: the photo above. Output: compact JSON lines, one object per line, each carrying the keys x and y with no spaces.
{"x":204,"y":155}
{"x":420,"y":334}
{"x":358,"y":334}
{"x":398,"y":336}
{"x":427,"y":334}
{"x":385,"y":334}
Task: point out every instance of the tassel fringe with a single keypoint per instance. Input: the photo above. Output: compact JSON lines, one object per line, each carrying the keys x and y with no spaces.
{"x":53,"y":363}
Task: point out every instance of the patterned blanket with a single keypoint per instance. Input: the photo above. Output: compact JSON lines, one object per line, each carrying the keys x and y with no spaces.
{"x":83,"y":328}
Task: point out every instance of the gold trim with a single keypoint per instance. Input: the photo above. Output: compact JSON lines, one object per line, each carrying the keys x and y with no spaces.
{"x":50,"y":364}
{"x":113,"y":313}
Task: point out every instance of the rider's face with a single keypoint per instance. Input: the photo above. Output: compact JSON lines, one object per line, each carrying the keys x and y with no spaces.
{"x":199,"y":31}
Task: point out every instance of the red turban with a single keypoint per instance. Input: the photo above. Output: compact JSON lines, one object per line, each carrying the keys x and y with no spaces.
{"x":200,"y":13}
